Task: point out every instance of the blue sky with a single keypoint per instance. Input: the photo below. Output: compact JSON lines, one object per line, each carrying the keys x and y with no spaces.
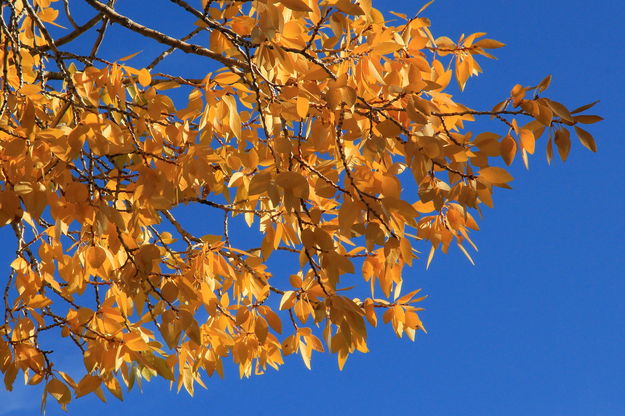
{"x":537,"y":326}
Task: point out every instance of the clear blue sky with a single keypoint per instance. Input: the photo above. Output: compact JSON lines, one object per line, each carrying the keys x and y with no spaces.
{"x":538,"y":325}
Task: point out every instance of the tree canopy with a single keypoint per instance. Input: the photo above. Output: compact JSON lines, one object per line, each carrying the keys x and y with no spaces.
{"x":325,"y":127}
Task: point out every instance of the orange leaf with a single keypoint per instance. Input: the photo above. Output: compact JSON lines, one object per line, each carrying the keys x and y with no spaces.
{"x":302,"y":106}
{"x":563,"y":143}
{"x":508,"y":149}
{"x":135,"y":342}
{"x":587,"y":119}
{"x":488,"y":44}
{"x":296,"y":5}
{"x":144,"y":77}
{"x":586,"y":139}
{"x":226,"y":78}
{"x":57,"y":389}
{"x":87,"y":385}
{"x":495,"y":175}
{"x":528,"y":142}
{"x":95,"y":256}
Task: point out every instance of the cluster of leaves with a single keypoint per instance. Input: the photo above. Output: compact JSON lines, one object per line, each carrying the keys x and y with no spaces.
{"x":304,"y":133}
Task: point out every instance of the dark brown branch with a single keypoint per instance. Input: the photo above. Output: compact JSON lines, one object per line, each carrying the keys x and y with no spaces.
{"x":231,"y":35}
{"x":169,"y":51}
{"x":76,"y":33}
{"x":163,"y":38}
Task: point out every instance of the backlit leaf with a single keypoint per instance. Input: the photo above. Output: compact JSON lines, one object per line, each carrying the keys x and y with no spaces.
{"x":176,"y":234}
{"x":297,"y":5}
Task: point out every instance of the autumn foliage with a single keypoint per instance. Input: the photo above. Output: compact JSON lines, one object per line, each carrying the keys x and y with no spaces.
{"x":327,"y":130}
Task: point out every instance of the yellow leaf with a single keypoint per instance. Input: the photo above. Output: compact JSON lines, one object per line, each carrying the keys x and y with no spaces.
{"x":274,"y":320}
{"x":340,"y":95}
{"x":525,"y":158}
{"x":463,"y":71}
{"x":288,"y":300}
{"x":430,"y":256}
{"x":466,"y":253}
{"x":258,"y":184}
{"x":261,"y":329}
{"x":95,"y":256}
{"x":424,"y":207}
{"x":293,"y":182}
{"x":302,"y":106}
{"x":495,"y":175}
{"x":144,"y":77}
{"x":282,"y":145}
{"x":125,"y":58}
{"x":167,"y":85}
{"x":488,"y":44}
{"x":401,"y":15}
{"x":346,"y":6}
{"x":389,"y":128}
{"x":226,"y":78}
{"x":297,"y":5}
{"x":545,"y":115}
{"x":30,"y":89}
{"x":57,"y":389}
{"x":87,"y":385}
{"x":113,"y":386}
{"x":348,"y":213}
{"x":305,"y":352}
{"x":508,"y":149}
{"x":425,"y":6}
{"x":385,"y":48}
{"x":528,"y":142}
{"x":39,"y":301}
{"x":342,"y":358}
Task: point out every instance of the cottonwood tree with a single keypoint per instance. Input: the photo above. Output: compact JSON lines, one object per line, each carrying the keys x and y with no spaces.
{"x":325,"y":128}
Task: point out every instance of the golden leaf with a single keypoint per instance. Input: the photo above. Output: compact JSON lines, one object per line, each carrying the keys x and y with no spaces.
{"x":528,"y":142}
{"x":389,"y":128}
{"x":95,"y":256}
{"x":293,"y":182}
{"x":302,"y":106}
{"x":135,"y":342}
{"x":508,"y":149}
{"x":297,"y":5}
{"x":59,"y":391}
{"x":328,"y":129}
{"x":288,"y":300}
{"x":495,"y":175}
{"x":87,"y":385}
{"x":144,"y":77}
{"x":226,"y":78}
{"x":488,"y":44}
